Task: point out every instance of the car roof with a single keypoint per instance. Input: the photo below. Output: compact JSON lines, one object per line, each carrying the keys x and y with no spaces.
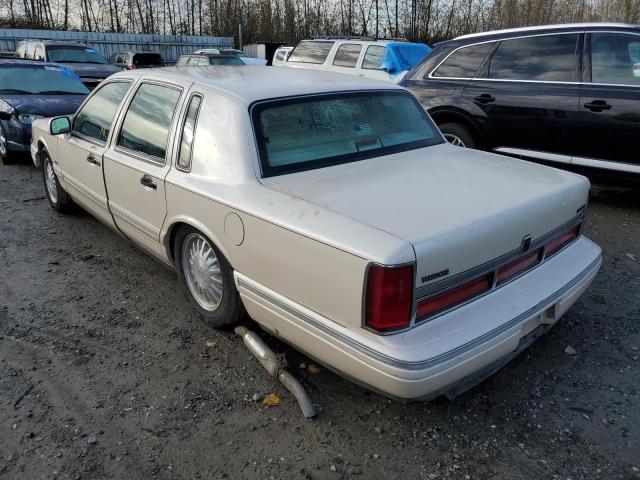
{"x":565,"y":27}
{"x":251,"y":83}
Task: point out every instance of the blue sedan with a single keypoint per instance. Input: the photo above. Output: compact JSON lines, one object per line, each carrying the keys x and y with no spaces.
{"x":31,"y":90}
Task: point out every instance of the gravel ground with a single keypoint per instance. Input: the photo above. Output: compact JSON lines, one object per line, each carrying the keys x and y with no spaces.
{"x":106,"y":373}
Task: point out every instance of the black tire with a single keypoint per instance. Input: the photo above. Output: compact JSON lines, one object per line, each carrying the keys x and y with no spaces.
{"x":59,"y":200}
{"x":458,"y":131}
{"x":230,"y":309}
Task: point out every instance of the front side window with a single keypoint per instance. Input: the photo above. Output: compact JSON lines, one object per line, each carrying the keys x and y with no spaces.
{"x":73,"y":54}
{"x":373,"y":58}
{"x":312,"y":132}
{"x":550,"y":58}
{"x":347,"y":55}
{"x":148,"y":120}
{"x":96,"y":116}
{"x":188,"y":130}
{"x":311,"y":52}
{"x":615,"y":58}
{"x":183,"y":60}
{"x":464,"y":63}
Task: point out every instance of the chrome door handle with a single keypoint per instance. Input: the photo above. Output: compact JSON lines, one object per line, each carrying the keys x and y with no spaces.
{"x":485,"y":98}
{"x":92,"y":159}
{"x":147,"y":182}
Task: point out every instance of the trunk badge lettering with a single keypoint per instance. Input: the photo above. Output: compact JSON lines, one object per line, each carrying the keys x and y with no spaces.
{"x":433,"y":276}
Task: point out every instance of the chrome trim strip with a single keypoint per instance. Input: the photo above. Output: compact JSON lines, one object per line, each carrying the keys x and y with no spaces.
{"x":487,"y":267}
{"x":606,"y":164}
{"x":431,"y":362}
{"x":549,"y":27}
{"x":551,"y":157}
{"x":135,"y":222}
{"x":83,"y":190}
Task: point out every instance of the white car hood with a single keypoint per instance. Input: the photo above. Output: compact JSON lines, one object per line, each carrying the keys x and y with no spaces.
{"x":458,"y":207}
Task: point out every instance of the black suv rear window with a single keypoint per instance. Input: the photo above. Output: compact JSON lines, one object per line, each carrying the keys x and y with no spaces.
{"x":305,"y":133}
{"x":311,"y":52}
{"x":464,"y":63}
{"x":147,"y":59}
{"x":550,"y":58}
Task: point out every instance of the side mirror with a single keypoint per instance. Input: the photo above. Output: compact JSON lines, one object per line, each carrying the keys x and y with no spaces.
{"x":60,"y":125}
{"x":4,"y":115}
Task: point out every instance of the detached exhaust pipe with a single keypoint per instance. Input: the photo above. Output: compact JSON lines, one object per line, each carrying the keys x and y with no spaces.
{"x":270,"y":362}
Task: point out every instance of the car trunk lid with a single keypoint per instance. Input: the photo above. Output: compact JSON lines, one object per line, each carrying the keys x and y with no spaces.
{"x":459,"y":208}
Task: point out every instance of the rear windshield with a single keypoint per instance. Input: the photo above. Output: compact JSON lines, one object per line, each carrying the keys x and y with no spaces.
{"x":27,"y":80}
{"x":225,"y":61}
{"x":147,"y":59}
{"x":71,"y":54}
{"x":304,"y":133}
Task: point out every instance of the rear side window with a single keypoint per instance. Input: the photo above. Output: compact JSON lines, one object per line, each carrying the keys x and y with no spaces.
{"x":347,"y":55}
{"x":188,"y":130}
{"x":311,"y":52}
{"x":615,"y":58}
{"x":95,"y":118}
{"x":313,"y":132}
{"x":373,"y":58}
{"x":464,"y":63}
{"x":148,"y":120}
{"x":550,"y":58}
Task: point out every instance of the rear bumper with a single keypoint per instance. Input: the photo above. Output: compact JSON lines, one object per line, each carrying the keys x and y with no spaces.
{"x":450,"y":353}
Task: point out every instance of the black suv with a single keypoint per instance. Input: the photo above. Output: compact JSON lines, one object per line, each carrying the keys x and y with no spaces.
{"x":130,"y":60}
{"x":564,"y":95}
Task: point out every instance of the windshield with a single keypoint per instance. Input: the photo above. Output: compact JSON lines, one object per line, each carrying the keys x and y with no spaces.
{"x":225,"y":61}
{"x":40,"y":79}
{"x":312,"y":132}
{"x":70,"y":54}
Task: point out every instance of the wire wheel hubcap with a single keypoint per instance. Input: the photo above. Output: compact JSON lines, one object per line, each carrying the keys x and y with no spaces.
{"x":454,"y":140}
{"x":3,"y":145}
{"x":202,"y":271}
{"x":50,"y":181}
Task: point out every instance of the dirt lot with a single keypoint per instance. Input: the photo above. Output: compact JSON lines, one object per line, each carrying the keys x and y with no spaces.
{"x":106,"y":373}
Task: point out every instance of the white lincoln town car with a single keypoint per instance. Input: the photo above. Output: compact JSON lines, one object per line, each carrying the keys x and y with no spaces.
{"x":332,"y":211}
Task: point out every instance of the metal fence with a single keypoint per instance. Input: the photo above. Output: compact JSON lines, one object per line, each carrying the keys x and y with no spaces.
{"x":169,"y":46}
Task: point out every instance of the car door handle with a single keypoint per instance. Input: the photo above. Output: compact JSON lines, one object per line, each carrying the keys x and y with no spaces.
{"x":485,"y":98}
{"x":147,"y":182}
{"x":597,"y":106}
{"x":92,"y":159}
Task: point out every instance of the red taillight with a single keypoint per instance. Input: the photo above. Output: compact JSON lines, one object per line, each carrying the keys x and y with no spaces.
{"x":518,"y":265}
{"x":389,"y":298}
{"x":561,"y":240}
{"x":454,"y":296}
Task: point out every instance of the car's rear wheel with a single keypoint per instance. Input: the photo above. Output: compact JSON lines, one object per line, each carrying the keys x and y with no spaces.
{"x":58,"y":198}
{"x":458,"y":135}
{"x":5,"y":154}
{"x":207,"y":278}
